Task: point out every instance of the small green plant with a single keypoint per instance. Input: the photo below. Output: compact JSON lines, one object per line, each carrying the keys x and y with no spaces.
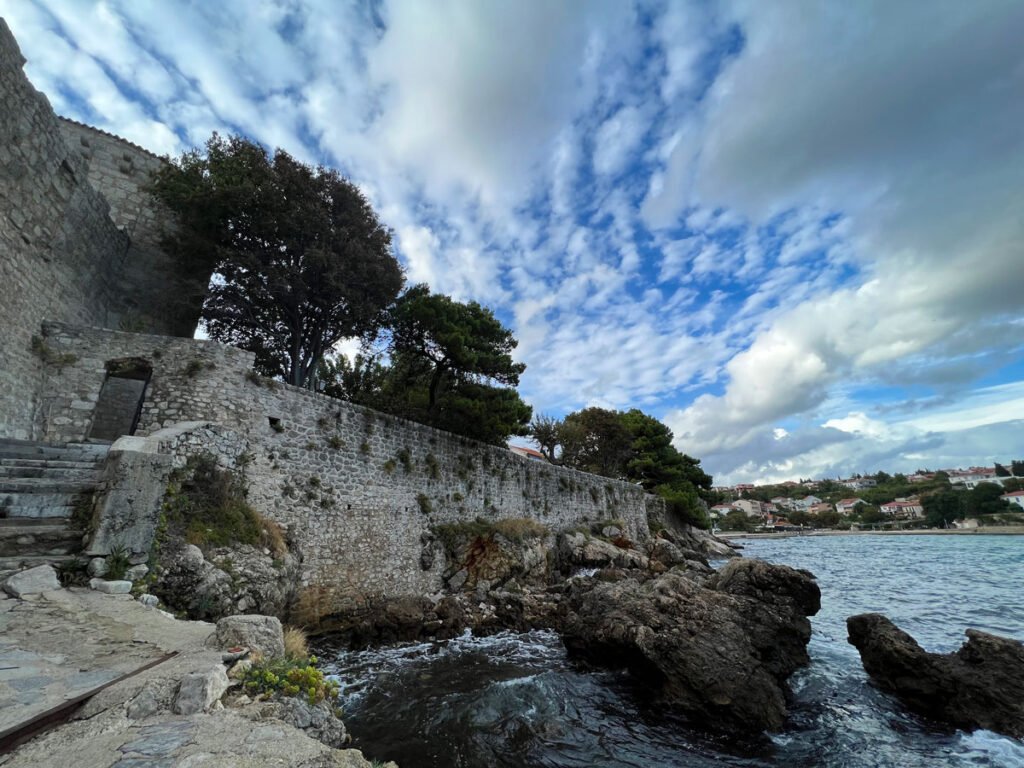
{"x":365,"y":447}
{"x":389,"y":466}
{"x":277,"y":426}
{"x":193,"y":368}
{"x":595,"y":495}
{"x":315,"y":481}
{"x":433,"y":469}
{"x":117,"y":563}
{"x":290,"y":677}
{"x":425,"y":506}
{"x":310,"y":446}
{"x":336,"y":443}
{"x":457,"y":496}
{"x":405,"y":458}
{"x":47,"y":355}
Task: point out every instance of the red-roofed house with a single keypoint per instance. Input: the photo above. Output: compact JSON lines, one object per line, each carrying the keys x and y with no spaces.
{"x":529,"y":453}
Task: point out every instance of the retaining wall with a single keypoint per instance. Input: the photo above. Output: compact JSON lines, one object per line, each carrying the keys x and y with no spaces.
{"x":358,"y":490}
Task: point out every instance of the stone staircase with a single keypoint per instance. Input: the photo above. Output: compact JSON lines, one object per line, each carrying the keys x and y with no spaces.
{"x":41,"y":486}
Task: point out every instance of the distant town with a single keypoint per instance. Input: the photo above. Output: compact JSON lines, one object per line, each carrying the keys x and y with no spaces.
{"x":948,"y":498}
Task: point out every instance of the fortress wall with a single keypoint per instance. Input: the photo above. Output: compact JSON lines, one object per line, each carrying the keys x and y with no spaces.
{"x":62,"y":256}
{"x":156,"y":293}
{"x":59,"y":249}
{"x":357,"y":489}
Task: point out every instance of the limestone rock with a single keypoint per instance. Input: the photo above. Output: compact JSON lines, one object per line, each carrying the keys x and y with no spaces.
{"x":229,"y":580}
{"x":260,"y":634}
{"x":720,"y":656}
{"x":119,"y":587}
{"x":136,"y":572}
{"x":42,"y":578}
{"x":151,"y":699}
{"x":97,"y":567}
{"x":149,"y":600}
{"x":578,"y":550}
{"x":317,"y":720}
{"x":978,"y":686}
{"x":200,"y":690}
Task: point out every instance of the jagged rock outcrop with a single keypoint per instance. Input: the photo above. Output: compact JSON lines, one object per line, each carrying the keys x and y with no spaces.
{"x":718,"y":655}
{"x":978,"y":686}
{"x":230,"y":580}
{"x":576,"y":549}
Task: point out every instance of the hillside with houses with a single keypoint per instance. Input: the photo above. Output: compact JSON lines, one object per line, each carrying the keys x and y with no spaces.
{"x":949,"y":498}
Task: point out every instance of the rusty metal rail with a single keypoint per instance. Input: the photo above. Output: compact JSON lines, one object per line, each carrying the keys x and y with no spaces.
{"x":22,"y":732}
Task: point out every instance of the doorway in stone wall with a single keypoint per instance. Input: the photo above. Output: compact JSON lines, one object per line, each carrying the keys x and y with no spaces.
{"x":120,"y":403}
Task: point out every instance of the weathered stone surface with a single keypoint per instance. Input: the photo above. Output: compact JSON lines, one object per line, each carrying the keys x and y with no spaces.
{"x":151,"y":601}
{"x":978,"y":686}
{"x":119,"y":587}
{"x":127,"y":506}
{"x":720,"y":656}
{"x":199,"y":690}
{"x":97,"y":567}
{"x":316,"y":720}
{"x":576,"y":549}
{"x":260,"y":634}
{"x":202,"y":586}
{"x":136,"y":572}
{"x":147,"y":702}
{"x":42,"y":578}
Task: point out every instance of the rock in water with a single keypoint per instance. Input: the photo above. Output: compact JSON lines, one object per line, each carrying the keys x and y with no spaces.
{"x":720,"y":655}
{"x":979,"y":686}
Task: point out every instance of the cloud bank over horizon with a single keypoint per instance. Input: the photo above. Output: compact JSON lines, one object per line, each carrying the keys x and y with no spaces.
{"x":791,"y":232}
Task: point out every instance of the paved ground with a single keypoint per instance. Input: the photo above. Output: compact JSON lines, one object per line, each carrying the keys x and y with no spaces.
{"x":59,"y":644}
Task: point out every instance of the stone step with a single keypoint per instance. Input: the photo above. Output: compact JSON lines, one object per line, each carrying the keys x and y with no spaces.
{"x":16,"y":463}
{"x":38,"y":538}
{"x":19,"y":562}
{"x":84,"y":473}
{"x":24,"y":449}
{"x":45,"y":485}
{"x":40,"y":504}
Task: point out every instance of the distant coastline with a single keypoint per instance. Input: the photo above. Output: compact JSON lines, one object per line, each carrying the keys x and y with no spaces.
{"x":1004,"y":530}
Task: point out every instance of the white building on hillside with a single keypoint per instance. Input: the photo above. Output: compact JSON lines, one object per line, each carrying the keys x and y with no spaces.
{"x":845,"y":506}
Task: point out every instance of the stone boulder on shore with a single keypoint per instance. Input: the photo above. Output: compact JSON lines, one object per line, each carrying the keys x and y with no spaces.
{"x":720,"y":654}
{"x":978,"y":686}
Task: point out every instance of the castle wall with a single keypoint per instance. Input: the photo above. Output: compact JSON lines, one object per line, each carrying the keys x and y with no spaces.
{"x":62,"y":256}
{"x":357,"y":489}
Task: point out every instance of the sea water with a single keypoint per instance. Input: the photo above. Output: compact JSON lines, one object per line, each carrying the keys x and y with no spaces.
{"x":517,"y":700}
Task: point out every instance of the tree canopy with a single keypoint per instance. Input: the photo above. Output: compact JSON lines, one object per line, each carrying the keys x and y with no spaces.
{"x":299,"y":257}
{"x":631,"y":446}
{"x":446,"y":362}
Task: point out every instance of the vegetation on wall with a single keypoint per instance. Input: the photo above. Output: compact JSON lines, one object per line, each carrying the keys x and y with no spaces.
{"x":630,"y":446}
{"x":205,"y":505}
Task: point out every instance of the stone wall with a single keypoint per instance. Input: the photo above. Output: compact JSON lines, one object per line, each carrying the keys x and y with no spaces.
{"x":62,"y":256}
{"x":121,"y":172}
{"x":358,"y":490}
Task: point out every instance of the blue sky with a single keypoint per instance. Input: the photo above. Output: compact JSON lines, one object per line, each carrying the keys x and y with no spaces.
{"x":791,"y":230}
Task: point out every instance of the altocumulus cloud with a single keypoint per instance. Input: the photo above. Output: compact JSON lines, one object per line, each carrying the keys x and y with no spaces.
{"x":790,"y":230}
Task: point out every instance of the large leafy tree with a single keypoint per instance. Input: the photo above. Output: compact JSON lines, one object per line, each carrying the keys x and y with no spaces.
{"x":453,"y":341}
{"x":300,"y":259}
{"x":636,"y":447}
{"x":447,"y":362}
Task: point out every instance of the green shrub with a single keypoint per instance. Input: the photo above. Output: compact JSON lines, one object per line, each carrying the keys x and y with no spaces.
{"x":425,"y":506}
{"x":389,"y":466}
{"x":206,"y":504}
{"x":336,"y":443}
{"x":290,"y":677}
{"x":117,"y":563}
{"x":517,"y":529}
{"x":433,"y":469}
{"x":405,"y":458}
